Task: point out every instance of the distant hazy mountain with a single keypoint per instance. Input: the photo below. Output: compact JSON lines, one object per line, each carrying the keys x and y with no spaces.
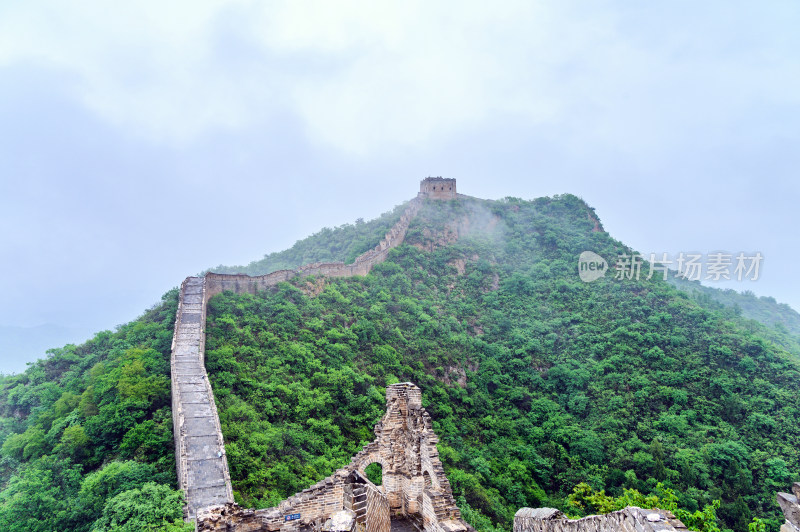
{"x":20,"y":345}
{"x":781,"y":323}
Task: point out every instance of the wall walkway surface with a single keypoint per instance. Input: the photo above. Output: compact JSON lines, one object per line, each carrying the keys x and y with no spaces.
{"x":199,"y":450}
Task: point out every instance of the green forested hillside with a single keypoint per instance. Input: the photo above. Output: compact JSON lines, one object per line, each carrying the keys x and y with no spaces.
{"x":775,"y":321}
{"x":764,"y":309}
{"x":87,"y":434}
{"x":535,"y":380}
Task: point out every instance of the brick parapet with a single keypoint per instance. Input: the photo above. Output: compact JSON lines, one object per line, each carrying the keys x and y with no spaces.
{"x":630,"y":519}
{"x":217,"y":283}
{"x":180,"y":464}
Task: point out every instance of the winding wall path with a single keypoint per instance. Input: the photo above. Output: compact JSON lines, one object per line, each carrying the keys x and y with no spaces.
{"x":199,"y":450}
{"x":200,"y":458}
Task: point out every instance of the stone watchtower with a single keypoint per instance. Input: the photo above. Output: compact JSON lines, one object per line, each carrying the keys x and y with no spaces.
{"x":438,"y":188}
{"x":414,"y":483}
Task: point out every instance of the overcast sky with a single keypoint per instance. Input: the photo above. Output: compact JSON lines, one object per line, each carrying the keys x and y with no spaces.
{"x":145,"y":141}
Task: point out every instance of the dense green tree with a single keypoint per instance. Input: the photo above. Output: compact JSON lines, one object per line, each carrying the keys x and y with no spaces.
{"x":151,"y":507}
{"x":69,"y":418}
{"x":535,"y":380}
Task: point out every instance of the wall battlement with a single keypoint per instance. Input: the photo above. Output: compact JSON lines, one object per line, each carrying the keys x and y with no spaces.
{"x":216,"y":283}
{"x":630,"y":519}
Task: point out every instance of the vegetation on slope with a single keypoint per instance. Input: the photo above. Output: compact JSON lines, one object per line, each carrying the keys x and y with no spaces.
{"x":87,"y":434}
{"x":763,"y":315}
{"x":764,"y":309}
{"x":537,"y":383}
{"x":535,"y":380}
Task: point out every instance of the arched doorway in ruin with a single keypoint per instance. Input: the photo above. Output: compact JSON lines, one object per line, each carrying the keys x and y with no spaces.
{"x":374,"y":473}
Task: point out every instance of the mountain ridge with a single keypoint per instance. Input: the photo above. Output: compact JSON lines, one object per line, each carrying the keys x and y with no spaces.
{"x":552,"y":257}
{"x":533,"y":383}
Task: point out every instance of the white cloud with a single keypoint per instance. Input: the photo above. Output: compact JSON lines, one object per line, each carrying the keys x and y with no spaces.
{"x":411,"y":72}
{"x":144,"y":65}
{"x":366,"y":75}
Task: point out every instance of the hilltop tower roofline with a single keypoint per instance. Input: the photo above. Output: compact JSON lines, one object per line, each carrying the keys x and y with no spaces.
{"x":438,"y":188}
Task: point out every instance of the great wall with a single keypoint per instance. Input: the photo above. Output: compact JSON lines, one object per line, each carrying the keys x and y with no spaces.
{"x":415,"y":493}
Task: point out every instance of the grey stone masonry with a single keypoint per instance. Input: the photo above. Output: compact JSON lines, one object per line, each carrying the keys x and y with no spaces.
{"x":199,"y":450}
{"x":630,"y":519}
{"x":791,"y":509}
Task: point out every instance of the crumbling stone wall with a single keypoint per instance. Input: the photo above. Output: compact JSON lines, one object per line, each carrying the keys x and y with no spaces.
{"x":405,"y":446}
{"x":630,"y":519}
{"x":313,"y":505}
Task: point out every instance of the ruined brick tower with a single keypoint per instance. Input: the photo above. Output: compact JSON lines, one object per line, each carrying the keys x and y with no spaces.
{"x":414,"y":482}
{"x":414,"y":493}
{"x":438,"y":188}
